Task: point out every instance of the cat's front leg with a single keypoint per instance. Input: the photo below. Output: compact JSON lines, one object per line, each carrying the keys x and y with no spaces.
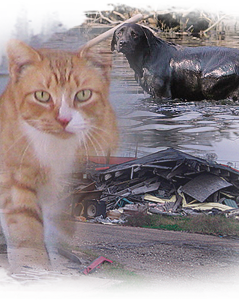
{"x":23,"y":227}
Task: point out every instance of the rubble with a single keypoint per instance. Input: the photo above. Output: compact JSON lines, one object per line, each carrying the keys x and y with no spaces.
{"x":174,"y":22}
{"x":168,"y":182}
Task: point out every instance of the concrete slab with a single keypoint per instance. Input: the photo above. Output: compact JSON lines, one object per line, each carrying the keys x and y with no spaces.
{"x":58,"y":284}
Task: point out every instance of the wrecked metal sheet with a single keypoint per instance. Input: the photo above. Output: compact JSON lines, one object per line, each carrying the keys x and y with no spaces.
{"x":164,"y":156}
{"x":146,"y":188}
{"x":203,"y":186}
{"x":170,"y":163}
{"x":164,"y":174}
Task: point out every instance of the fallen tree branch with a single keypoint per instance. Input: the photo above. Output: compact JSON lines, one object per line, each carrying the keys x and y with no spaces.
{"x":107,"y":19}
{"x":181,"y":11}
{"x":119,"y":14}
{"x":214,"y":24}
{"x":109,"y":32}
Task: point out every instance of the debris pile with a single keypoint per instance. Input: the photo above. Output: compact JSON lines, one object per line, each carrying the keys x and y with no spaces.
{"x":167,"y":182}
{"x":197,"y":23}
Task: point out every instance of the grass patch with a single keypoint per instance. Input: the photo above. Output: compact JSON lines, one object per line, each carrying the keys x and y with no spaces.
{"x":174,"y":227}
{"x":133,"y":286}
{"x":205,"y":224}
{"x":127,"y":277}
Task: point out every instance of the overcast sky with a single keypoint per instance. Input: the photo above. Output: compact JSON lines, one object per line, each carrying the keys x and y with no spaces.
{"x":35,"y":23}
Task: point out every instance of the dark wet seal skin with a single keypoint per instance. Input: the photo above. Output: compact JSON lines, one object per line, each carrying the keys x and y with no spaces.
{"x":168,"y":70}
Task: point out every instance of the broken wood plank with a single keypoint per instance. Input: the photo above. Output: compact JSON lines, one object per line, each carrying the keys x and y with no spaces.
{"x":109,"y":32}
{"x":178,"y":202}
{"x":213,"y":25}
{"x":146,"y":188}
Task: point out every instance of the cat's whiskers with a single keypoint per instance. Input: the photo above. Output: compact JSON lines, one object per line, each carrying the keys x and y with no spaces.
{"x":96,"y":143}
{"x":93,"y":145}
{"x":99,"y":129}
{"x":84,"y":142}
{"x":96,"y":130}
{"x":15,"y":142}
{"x":103,"y":137}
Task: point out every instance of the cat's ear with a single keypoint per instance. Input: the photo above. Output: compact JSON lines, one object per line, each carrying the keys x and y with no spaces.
{"x":100,"y":59}
{"x":20,"y":55}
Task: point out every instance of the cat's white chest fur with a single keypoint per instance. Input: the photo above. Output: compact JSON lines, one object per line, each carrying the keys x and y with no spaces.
{"x":59,"y":157}
{"x":56,"y":154}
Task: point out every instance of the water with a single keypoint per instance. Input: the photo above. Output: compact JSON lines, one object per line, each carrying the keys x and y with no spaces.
{"x":205,"y":129}
{"x":209,"y":129}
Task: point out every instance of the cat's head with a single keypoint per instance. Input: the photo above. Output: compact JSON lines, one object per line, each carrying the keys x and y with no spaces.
{"x":63,"y":93}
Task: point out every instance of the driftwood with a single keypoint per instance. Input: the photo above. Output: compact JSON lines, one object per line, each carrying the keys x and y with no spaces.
{"x":190,"y":22}
{"x":231,"y":14}
{"x":183,"y":12}
{"x":107,"y":19}
{"x":109,"y":32}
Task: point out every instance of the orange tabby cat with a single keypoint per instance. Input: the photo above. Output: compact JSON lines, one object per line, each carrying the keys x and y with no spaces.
{"x":54,"y":110}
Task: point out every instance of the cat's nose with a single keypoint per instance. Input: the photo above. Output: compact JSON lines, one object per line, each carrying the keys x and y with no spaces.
{"x":64,"y":121}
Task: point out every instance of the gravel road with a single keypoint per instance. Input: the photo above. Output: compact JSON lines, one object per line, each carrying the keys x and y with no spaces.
{"x":171,"y":264}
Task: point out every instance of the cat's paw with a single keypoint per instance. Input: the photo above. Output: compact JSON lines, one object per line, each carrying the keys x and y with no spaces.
{"x":23,"y":259}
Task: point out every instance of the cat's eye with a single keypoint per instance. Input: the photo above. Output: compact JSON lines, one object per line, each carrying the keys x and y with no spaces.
{"x":42,"y":96}
{"x":83,"y":95}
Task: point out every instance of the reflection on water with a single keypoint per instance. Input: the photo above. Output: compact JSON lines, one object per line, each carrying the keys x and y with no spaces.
{"x":199,"y":128}
{"x":148,"y":125}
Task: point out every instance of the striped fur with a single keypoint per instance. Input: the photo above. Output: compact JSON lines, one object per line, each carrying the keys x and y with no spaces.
{"x":45,"y":129}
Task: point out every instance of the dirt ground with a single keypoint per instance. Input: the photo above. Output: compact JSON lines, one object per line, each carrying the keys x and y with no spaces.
{"x":166,"y":262}
{"x":178,"y":264}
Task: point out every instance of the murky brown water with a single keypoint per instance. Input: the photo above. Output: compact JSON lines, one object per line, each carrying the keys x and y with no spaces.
{"x":206,"y":128}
